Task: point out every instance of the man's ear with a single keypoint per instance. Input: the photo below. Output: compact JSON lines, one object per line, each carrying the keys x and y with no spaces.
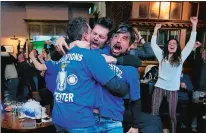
{"x":107,"y":42}
{"x":85,"y":37}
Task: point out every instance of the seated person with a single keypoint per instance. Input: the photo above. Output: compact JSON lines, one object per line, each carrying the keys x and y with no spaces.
{"x":185,"y":88}
{"x":184,"y":100}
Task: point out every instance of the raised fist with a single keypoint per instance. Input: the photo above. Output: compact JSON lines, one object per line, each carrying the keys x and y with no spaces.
{"x":31,"y":55}
{"x":194,"y":20}
{"x":158,"y":26}
{"x":197,"y":44}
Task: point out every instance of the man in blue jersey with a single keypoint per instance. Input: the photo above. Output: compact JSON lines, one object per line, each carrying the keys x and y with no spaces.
{"x":114,"y":112}
{"x":78,"y":80}
{"x":111,"y":112}
{"x":110,"y":117}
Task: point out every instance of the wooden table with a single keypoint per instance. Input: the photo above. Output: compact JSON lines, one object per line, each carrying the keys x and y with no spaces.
{"x":11,"y":121}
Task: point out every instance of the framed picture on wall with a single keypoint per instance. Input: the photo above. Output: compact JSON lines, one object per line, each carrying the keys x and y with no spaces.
{"x":9,"y":48}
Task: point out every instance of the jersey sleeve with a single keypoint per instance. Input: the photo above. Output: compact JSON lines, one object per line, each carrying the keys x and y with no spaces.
{"x":98,"y":68}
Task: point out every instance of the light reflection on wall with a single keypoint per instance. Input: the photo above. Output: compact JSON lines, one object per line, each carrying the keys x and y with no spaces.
{"x":156,"y":5}
{"x":14,"y":43}
{"x":154,"y":9}
{"x":164,"y":10}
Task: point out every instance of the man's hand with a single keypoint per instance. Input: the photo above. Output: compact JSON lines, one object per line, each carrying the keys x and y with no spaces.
{"x":60,"y":43}
{"x":42,"y":73}
{"x":109,"y":59}
{"x":48,"y":42}
{"x":183,"y":85}
{"x":133,"y":130}
{"x":140,"y":39}
{"x":137,"y":33}
{"x":31,"y":55}
{"x":40,"y":56}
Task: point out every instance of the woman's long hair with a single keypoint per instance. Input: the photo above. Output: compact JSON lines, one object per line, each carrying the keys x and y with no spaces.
{"x":175,"y":59}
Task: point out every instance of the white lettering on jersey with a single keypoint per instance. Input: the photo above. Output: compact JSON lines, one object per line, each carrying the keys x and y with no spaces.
{"x":116,"y":70}
{"x":71,"y":57}
{"x":64,"y":97}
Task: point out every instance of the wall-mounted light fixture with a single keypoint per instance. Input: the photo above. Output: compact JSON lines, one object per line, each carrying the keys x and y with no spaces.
{"x":14,"y":38}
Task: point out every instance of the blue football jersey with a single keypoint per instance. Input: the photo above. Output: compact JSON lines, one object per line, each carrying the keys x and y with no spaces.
{"x":113,"y":107}
{"x":80,"y":74}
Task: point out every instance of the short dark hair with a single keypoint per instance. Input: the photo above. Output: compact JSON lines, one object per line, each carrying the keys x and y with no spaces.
{"x":123,"y":28}
{"x":17,"y":55}
{"x":106,"y":23}
{"x":76,"y":28}
{"x":3,"y":49}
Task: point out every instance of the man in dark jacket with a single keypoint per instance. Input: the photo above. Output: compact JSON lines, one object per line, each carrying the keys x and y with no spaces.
{"x":25,"y":73}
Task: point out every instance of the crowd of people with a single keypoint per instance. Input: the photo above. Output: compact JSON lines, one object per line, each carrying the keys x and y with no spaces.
{"x":19,"y":76}
{"x":91,"y":73}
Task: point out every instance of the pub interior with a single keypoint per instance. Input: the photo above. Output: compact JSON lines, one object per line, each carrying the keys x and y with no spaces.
{"x":31,"y":32}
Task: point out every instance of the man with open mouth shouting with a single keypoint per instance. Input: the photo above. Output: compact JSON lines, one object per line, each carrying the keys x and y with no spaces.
{"x":110,"y":117}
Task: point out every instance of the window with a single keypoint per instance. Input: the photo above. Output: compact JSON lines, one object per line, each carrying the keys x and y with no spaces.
{"x":60,"y":29}
{"x":46,"y":28}
{"x":34,"y":30}
{"x":163,"y":36}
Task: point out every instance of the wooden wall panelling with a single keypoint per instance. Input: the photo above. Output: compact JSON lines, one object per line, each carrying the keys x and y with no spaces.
{"x":118,"y":11}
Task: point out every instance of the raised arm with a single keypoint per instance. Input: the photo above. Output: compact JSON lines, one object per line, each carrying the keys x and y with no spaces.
{"x":129,"y":60}
{"x":156,"y":49}
{"x":190,"y":44}
{"x":103,"y":74}
{"x":24,"y":47}
{"x":147,"y":50}
{"x":38,"y":66}
{"x":126,"y":60}
{"x":62,"y":46}
{"x":18,"y":46}
{"x":60,"y":43}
